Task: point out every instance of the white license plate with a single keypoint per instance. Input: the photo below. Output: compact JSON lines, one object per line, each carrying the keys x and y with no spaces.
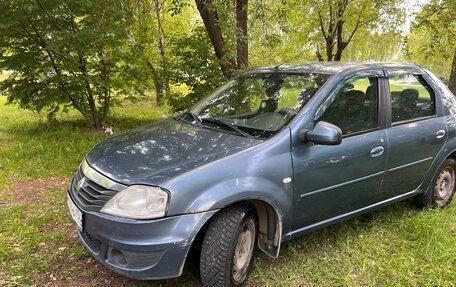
{"x":76,"y":214}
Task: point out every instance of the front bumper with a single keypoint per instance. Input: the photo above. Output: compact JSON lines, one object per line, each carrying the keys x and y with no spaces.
{"x":141,"y":249}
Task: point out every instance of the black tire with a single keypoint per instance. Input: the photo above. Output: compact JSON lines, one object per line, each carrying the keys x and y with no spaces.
{"x":444,"y":179}
{"x":218,"y":261}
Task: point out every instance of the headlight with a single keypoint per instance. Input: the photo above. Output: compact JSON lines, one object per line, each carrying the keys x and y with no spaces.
{"x":138,"y":202}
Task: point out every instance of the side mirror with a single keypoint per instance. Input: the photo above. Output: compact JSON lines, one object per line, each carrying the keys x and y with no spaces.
{"x":323,"y":133}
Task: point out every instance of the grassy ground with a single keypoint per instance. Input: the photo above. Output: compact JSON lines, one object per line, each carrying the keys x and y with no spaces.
{"x":32,"y":147}
{"x":397,"y":246}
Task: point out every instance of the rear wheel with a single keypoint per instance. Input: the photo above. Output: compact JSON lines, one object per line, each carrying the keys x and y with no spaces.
{"x":441,"y":190}
{"x":229,"y":246}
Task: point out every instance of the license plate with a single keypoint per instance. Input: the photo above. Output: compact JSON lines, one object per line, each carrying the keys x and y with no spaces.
{"x":76,"y":214}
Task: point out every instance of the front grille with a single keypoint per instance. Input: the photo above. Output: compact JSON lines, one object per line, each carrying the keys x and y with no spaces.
{"x":90,"y":195}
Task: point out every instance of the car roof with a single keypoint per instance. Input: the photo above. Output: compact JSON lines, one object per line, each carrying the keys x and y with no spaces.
{"x":332,"y":67}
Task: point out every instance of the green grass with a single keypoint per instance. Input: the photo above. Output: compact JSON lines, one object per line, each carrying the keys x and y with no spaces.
{"x":396,"y":246}
{"x":32,"y":147}
{"x":24,"y":246}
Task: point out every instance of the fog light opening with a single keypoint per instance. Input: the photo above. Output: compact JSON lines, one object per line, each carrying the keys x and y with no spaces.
{"x":118,"y":257}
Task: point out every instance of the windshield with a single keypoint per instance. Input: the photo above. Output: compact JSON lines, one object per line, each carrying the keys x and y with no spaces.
{"x":256,"y":105}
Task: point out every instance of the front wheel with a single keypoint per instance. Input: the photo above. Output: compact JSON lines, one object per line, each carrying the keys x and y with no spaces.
{"x":229,"y":246}
{"x":442,"y":188}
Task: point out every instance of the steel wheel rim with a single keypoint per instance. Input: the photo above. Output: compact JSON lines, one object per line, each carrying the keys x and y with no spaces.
{"x":444,"y":186}
{"x":244,"y":250}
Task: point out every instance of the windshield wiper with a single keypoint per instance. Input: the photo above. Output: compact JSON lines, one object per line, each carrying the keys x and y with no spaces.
{"x":192,"y":115}
{"x":227,"y":124}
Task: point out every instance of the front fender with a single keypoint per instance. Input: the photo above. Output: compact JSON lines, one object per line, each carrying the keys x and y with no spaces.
{"x":230,"y":191}
{"x":269,"y":198}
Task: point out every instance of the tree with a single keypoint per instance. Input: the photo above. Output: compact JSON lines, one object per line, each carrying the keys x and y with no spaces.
{"x":216,"y":15}
{"x":340,"y":20}
{"x":291,"y":31}
{"x":67,"y":54}
{"x":432,"y":41}
{"x":149,"y":33}
{"x":242,"y":47}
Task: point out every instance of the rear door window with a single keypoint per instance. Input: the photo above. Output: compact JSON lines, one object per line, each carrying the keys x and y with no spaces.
{"x":411,"y":98}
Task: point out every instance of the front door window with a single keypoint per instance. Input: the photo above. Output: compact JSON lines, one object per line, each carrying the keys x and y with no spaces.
{"x":354,"y":106}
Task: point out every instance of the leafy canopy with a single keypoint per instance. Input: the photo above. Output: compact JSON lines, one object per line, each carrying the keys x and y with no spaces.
{"x":67,"y":53}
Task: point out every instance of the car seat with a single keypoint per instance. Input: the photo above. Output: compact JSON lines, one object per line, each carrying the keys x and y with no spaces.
{"x":354,"y":104}
{"x":407,"y":104}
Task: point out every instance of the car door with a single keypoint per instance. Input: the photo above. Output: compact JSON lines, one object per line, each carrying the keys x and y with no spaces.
{"x":417,"y":131}
{"x":334,"y":180}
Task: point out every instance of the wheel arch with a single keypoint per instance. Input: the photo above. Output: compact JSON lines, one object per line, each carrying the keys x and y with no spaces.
{"x":448,"y":151}
{"x":452,"y":155}
{"x":270,"y":225}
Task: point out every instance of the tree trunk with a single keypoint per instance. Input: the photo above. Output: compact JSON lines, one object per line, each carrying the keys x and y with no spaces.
{"x":106,"y":87}
{"x":89,"y":91}
{"x":334,"y":35}
{"x":452,"y":81}
{"x":157,"y":83}
{"x":75,"y":105}
{"x":163,"y":79}
{"x":328,"y":35}
{"x":339,"y":31}
{"x":210,"y":19}
{"x":339,"y":41}
{"x":242,"y":38}
{"x":319,"y":55}
{"x":329,"y":48}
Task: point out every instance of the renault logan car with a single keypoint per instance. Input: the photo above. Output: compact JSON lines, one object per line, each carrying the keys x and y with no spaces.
{"x":271,"y":154}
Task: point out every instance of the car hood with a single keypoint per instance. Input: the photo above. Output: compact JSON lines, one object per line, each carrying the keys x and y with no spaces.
{"x":156,"y":153}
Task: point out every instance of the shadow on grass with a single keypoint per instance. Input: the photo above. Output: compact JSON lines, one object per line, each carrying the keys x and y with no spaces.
{"x":43,"y":128}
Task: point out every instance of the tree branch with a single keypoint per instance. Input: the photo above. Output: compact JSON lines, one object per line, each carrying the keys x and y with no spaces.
{"x":358,"y":22}
{"x":322,"y":26}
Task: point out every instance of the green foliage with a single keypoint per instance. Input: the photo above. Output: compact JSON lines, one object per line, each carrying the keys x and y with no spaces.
{"x":67,"y":53}
{"x":278,"y":33}
{"x":194,"y":67}
{"x":290,"y":31}
{"x":338,"y":23}
{"x":432,"y":41}
{"x":89,"y":55}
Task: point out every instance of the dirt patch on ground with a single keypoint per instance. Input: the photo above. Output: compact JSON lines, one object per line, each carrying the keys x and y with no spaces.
{"x":84,"y":271}
{"x":31,"y":191}
{"x":74,"y":270}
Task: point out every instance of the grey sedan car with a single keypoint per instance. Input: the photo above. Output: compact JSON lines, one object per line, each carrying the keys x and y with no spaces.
{"x":272,"y":154}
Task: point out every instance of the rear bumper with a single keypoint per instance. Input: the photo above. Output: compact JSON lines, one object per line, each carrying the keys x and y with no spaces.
{"x":141,"y":249}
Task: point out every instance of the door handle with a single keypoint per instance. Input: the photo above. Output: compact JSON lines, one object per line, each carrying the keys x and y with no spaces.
{"x":377,"y":151}
{"x":440,"y":134}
